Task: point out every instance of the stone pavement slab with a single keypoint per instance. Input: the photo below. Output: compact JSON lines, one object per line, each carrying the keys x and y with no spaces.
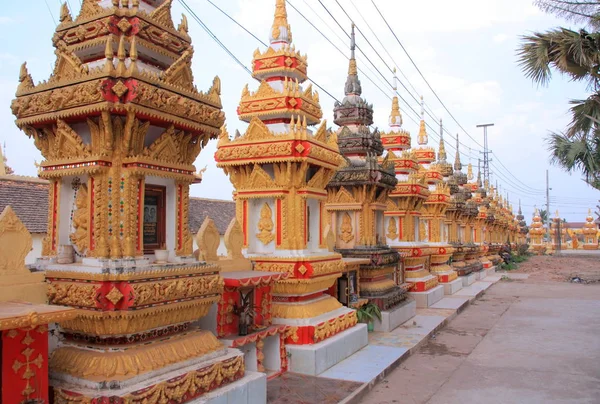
{"x":366,"y":365}
{"x":451,"y":302}
{"x":475,"y":290}
{"x":295,"y":388}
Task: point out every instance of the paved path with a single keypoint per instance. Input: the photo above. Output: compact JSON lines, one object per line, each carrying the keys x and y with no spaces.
{"x":522,"y":342}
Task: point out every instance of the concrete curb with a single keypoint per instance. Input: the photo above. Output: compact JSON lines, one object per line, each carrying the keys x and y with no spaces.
{"x":359,"y":393}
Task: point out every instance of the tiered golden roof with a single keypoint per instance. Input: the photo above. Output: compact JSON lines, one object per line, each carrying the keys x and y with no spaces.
{"x":398,"y":139}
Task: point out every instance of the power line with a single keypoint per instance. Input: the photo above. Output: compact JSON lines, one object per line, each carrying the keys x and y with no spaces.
{"x":421,"y":74}
{"x":213,"y":36}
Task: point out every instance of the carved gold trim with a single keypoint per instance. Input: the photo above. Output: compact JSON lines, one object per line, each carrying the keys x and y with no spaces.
{"x":101,"y":365}
{"x":130,"y":322}
{"x":305,"y":309}
{"x":304,"y":286}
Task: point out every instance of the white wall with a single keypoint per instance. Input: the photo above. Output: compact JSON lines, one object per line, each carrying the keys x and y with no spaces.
{"x":67,"y":203}
{"x":36,"y":249}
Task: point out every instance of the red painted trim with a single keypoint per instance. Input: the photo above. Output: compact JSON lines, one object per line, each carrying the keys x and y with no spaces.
{"x":278,"y":218}
{"x":54,"y":214}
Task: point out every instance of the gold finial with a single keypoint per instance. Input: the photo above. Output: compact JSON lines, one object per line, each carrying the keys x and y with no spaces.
{"x":470,"y":172}
{"x":557,"y":216}
{"x":457,"y":163}
{"x":280,"y":21}
{"x":183,"y":25}
{"x":395,"y":115}
{"x":423,"y":138}
{"x":65,"y":15}
{"x":352,"y":66}
{"x":442,"y":150}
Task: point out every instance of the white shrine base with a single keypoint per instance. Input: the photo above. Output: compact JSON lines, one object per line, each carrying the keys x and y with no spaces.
{"x":317,"y":358}
{"x":251,"y":389}
{"x":398,"y":315}
{"x":429,"y":297}
{"x":468,"y":280}
{"x":451,"y":288}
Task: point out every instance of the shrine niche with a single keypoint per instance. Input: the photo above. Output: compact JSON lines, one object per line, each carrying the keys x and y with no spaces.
{"x":154,"y":218}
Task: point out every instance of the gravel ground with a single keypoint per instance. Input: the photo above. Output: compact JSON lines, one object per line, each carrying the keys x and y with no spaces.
{"x":550,"y":268}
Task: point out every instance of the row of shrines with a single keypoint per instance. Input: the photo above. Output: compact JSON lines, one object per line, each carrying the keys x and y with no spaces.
{"x":326,"y":222}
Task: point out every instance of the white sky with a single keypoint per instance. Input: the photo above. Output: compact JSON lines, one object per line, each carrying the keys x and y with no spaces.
{"x":465,"y":48}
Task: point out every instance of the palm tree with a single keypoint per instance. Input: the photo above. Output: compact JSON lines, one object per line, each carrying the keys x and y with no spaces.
{"x":577,"y":55}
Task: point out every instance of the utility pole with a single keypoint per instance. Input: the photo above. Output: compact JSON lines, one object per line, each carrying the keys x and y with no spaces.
{"x":486,"y":152}
{"x":547,"y":204}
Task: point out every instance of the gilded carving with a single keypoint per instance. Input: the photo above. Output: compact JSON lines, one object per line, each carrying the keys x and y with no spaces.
{"x":80,"y":236}
{"x":265,"y":225}
{"x":155,"y":292}
{"x":334,"y":326}
{"x":346,"y":229}
{"x":208,"y":240}
{"x":392,"y":229}
{"x":31,"y":361}
{"x":234,"y":240}
{"x":305,"y":310}
{"x":73,"y":294}
{"x":136,"y":360}
{"x":15,"y":243}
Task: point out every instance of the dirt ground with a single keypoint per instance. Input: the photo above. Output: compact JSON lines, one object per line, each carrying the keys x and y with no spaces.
{"x":561,"y":268}
{"x":528,"y":341}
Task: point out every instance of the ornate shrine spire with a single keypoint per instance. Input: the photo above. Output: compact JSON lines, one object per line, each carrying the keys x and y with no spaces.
{"x":353,"y":110}
{"x":280,"y":30}
{"x":423,"y":138}
{"x":281,"y":70}
{"x":445,"y":167}
{"x":457,"y":163}
{"x":352,"y":86}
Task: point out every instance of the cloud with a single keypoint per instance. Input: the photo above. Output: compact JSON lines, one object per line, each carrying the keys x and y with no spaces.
{"x":5,"y":19}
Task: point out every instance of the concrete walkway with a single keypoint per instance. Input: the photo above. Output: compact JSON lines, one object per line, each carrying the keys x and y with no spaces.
{"x":521,"y":342}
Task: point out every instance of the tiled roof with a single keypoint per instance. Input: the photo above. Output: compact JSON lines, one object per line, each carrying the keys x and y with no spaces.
{"x":220,"y":211}
{"x":28,"y":197}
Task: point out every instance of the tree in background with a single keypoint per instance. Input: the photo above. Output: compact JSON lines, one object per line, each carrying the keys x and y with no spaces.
{"x":577,"y":55}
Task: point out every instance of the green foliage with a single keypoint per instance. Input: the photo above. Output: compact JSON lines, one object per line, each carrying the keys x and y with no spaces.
{"x":575,"y":54}
{"x":508,"y":267}
{"x":368,"y":312}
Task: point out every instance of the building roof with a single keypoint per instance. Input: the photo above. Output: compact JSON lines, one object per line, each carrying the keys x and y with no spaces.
{"x":28,"y":197}
{"x":220,"y":211}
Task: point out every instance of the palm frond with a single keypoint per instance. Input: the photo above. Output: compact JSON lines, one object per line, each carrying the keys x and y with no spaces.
{"x":572,"y":53}
{"x":585,"y":115}
{"x":576,"y":154}
{"x":577,"y":11}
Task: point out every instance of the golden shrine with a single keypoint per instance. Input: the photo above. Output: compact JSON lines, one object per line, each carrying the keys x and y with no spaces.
{"x":432,"y":222}
{"x":405,"y":231}
{"x":590,"y":233}
{"x":120,"y":123}
{"x":279,"y":168}
{"x":356,"y":202}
